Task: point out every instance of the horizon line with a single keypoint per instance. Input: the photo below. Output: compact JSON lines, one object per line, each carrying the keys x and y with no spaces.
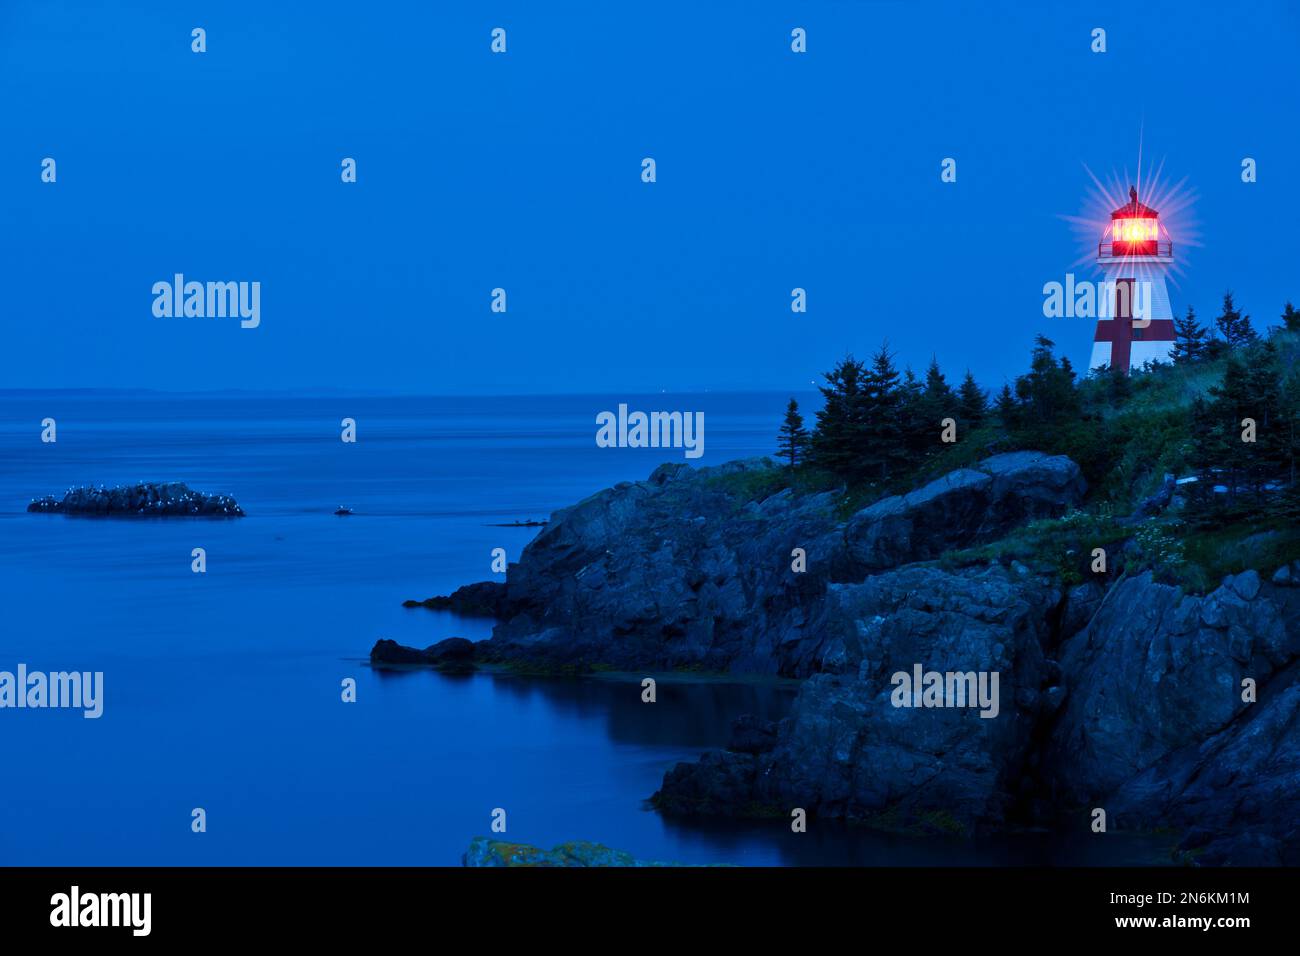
{"x":327,"y":391}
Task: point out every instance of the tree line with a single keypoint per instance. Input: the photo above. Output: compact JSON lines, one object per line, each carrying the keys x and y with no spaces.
{"x":875,"y":419}
{"x":878,"y":423}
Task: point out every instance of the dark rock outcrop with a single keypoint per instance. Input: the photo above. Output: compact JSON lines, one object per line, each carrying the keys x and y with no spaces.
{"x":964,"y":507}
{"x":1236,"y":794}
{"x":847,"y":751}
{"x":484,"y":599}
{"x":693,"y":568}
{"x":1157,"y":502}
{"x":751,"y":735}
{"x":453,"y":653}
{"x":687,"y":569}
{"x":1145,"y":714}
{"x":1157,"y":669}
{"x":150,"y":499}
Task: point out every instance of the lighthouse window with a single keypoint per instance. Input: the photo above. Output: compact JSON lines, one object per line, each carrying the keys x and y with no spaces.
{"x":1134,"y":230}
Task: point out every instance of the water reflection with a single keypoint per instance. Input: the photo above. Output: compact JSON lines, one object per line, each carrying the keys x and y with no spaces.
{"x":692,"y":716}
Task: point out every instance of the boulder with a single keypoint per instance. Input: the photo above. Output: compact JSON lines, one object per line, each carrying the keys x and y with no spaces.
{"x":386,"y":651}
{"x":454,"y":653}
{"x":1158,"y":501}
{"x":1287,"y":576}
{"x":964,"y":507}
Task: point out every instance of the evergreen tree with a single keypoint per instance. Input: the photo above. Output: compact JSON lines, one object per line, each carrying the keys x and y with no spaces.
{"x":792,"y":440}
{"x":972,"y":402}
{"x":1007,"y":410}
{"x":912,"y":412}
{"x":1233,"y":326}
{"x":1212,"y":436}
{"x":1046,"y":395}
{"x":1118,"y":386}
{"x":1249,"y":390}
{"x":938,"y":402}
{"x":1290,"y":431}
{"x":937,"y":389}
{"x":1215,"y":349}
{"x":1264,"y":403}
{"x":884,"y":447}
{"x":1290,"y":318}
{"x":838,"y":436}
{"x":1190,"y":344}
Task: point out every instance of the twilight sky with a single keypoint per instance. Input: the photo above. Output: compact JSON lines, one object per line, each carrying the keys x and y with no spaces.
{"x":523,"y":171}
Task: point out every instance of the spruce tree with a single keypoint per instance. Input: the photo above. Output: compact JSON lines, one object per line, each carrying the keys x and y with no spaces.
{"x":1007,"y":409}
{"x":1212,"y":437}
{"x":1264,"y":404}
{"x":1233,"y":325}
{"x":1119,"y":387}
{"x":972,"y":402}
{"x":1046,"y":395}
{"x":1290,"y":318}
{"x":913,"y":411}
{"x":1190,"y":335}
{"x":1249,"y":390}
{"x":1290,"y":431}
{"x":939,"y":401}
{"x":937,"y":389}
{"x":838,"y":436}
{"x":792,"y":440}
{"x":884,"y":447}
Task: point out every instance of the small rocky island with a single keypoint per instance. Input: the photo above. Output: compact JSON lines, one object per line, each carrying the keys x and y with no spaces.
{"x":147,"y":499}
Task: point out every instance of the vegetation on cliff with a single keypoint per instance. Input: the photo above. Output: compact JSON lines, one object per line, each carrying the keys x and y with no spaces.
{"x":1204,"y":449}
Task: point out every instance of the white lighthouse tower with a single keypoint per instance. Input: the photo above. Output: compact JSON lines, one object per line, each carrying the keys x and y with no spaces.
{"x":1138,"y":326}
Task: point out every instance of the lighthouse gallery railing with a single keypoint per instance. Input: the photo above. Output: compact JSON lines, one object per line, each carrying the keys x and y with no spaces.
{"x":1106,"y":250}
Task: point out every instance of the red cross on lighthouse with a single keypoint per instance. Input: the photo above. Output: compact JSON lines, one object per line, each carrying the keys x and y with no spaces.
{"x":1122,"y":331}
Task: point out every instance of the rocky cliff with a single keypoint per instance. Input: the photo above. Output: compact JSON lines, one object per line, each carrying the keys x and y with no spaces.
{"x":698,"y":568}
{"x":939,"y":695}
{"x":847,"y":751}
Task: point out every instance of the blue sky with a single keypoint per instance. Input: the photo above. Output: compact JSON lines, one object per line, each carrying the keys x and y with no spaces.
{"x":522,"y":171}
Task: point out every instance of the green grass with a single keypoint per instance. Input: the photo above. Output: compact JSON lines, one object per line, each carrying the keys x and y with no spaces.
{"x":1061,"y":546}
{"x":755,"y":485}
{"x":1213,"y":553}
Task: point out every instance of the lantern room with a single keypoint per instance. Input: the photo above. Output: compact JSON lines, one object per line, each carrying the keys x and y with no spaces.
{"x":1135,"y":230}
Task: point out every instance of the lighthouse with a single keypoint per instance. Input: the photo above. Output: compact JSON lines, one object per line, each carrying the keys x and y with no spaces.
{"x":1138,"y":326}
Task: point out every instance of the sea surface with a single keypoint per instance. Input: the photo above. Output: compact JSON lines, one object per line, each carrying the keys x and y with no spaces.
{"x":222,"y":690}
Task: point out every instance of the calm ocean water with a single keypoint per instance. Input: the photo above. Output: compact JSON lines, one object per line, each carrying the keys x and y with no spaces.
{"x":222,"y":690}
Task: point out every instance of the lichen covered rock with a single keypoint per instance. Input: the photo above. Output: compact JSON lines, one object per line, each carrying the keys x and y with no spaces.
{"x":486,"y":852}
